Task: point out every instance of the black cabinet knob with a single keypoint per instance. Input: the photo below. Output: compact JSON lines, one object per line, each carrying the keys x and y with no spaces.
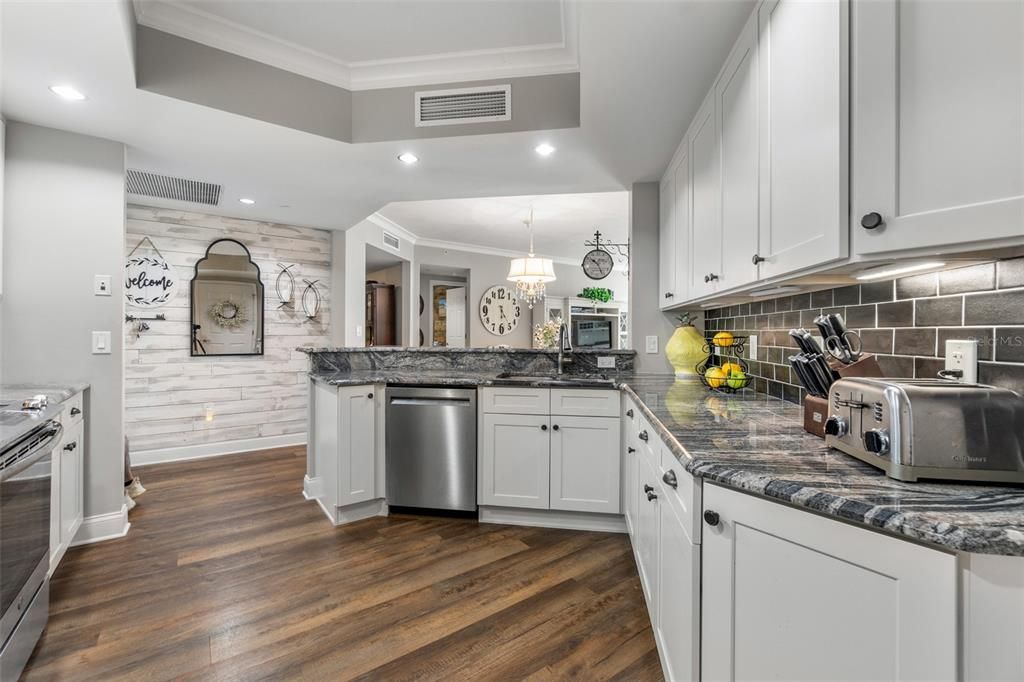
{"x":757,"y":259}
{"x":707,"y":278}
{"x":555,"y":427}
{"x":712,"y":277}
{"x":543,"y":427}
{"x":711,"y":517}
{"x":872,"y":221}
{"x":643,"y":436}
{"x":669,"y":294}
{"x":75,"y":412}
{"x":670,"y":478}
{"x":651,"y":497}
{"x":370,"y":396}
{"x":631,"y":450}
{"x":647,"y":488}
{"x":70,"y":446}
{"x":629,"y":413}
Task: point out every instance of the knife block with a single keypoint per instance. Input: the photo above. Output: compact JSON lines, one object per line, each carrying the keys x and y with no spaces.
{"x":867,"y":366}
{"x":815,"y":414}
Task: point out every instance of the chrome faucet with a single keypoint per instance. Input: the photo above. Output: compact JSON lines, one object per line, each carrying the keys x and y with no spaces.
{"x":564,"y":346}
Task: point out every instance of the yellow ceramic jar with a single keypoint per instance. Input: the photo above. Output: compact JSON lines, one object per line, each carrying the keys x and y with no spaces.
{"x":685,"y":350}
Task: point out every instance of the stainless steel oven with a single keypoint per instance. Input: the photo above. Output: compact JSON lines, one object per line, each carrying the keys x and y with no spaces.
{"x":25,"y":467}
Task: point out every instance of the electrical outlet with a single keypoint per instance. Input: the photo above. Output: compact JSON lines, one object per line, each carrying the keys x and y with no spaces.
{"x":101,"y":285}
{"x":962,"y":356}
{"x":752,"y":345}
{"x":359,"y":331}
{"x":652,"y":344}
{"x":606,"y":362}
{"x":101,"y":343}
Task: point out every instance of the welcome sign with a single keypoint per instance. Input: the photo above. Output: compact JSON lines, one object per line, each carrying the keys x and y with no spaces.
{"x":149,"y":281}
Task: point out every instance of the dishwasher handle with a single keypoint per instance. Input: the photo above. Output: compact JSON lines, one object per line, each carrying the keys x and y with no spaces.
{"x":437,"y":402}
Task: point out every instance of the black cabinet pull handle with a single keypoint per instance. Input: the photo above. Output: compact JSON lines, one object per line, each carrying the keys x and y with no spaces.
{"x":872,"y":221}
{"x":669,"y":294}
{"x":711,"y":517}
{"x":648,"y":488}
{"x":71,"y":446}
{"x":631,"y":450}
{"x":643,"y":435}
{"x":629,"y":413}
{"x":670,"y":478}
{"x":555,"y":427}
{"x":757,"y":259}
{"x":651,"y":497}
{"x":543,"y":427}
{"x":75,"y":412}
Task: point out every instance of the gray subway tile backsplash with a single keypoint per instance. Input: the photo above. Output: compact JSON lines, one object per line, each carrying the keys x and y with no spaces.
{"x":905,"y":322}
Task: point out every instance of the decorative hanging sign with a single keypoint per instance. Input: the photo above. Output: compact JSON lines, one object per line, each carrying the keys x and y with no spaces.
{"x":149,"y":280}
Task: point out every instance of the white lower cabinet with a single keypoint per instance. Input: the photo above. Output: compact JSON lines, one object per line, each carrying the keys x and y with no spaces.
{"x":67,"y":483}
{"x":345,"y":445}
{"x":554,"y":461}
{"x":790,"y":595}
{"x":515,"y":461}
{"x":678,"y":628}
{"x":646,"y":536}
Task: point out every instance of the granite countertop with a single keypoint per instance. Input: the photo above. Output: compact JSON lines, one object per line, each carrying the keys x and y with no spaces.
{"x":446,"y":350}
{"x":756,"y":443}
{"x":415,"y":377}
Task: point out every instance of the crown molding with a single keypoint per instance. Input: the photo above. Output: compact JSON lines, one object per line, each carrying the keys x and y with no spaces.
{"x":490,"y":250}
{"x":194,"y":24}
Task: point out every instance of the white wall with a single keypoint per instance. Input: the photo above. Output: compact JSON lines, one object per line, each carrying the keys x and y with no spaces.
{"x":258,"y":401}
{"x":64,"y":222}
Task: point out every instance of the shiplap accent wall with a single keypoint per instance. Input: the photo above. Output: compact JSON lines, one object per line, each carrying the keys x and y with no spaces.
{"x":256,"y":400}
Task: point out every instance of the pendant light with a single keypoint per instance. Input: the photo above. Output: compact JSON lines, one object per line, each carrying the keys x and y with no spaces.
{"x":531,"y":273}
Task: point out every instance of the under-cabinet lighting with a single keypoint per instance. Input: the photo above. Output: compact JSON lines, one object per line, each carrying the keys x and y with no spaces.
{"x":775,"y":291}
{"x":67,"y":92}
{"x":408,"y":158}
{"x":544,"y":149}
{"x":893,"y":270}
{"x":247,"y":202}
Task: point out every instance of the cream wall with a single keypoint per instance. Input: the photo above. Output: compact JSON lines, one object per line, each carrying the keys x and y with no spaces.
{"x":257,"y":401}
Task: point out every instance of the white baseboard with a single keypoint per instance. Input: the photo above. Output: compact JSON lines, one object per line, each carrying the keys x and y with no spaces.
{"x":204,"y":450}
{"x":550,"y":518}
{"x":353,"y":512}
{"x":312,"y":488}
{"x":102,"y":527}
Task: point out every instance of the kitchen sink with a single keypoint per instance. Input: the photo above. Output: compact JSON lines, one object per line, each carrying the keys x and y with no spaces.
{"x":564,"y":379}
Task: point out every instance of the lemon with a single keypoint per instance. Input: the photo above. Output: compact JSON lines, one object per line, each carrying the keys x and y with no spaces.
{"x":715,"y":377}
{"x":731,"y":367}
{"x":724,"y":339}
{"x":736,"y":379}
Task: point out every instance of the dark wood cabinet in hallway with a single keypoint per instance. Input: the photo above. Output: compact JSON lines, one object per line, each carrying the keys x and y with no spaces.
{"x":229,"y":574}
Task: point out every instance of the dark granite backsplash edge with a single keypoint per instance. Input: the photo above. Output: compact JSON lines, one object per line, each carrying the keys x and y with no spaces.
{"x":518,"y":360}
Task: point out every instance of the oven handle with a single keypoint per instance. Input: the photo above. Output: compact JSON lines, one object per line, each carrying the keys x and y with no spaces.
{"x":56,"y":430}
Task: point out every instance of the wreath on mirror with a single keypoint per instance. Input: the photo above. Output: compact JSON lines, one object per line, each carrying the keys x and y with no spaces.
{"x":228,"y":314}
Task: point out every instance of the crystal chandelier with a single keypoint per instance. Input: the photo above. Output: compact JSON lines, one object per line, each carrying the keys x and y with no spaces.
{"x":531,"y":273}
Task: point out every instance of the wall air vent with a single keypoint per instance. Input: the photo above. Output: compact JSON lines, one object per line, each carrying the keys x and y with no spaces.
{"x":144,"y":183}
{"x":463,"y":105}
{"x":392,"y":242}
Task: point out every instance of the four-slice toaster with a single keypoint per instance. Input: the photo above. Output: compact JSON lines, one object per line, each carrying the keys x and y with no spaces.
{"x":929,"y":428}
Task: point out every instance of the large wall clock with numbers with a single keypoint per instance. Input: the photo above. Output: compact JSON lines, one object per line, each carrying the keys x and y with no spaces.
{"x":500,"y":310}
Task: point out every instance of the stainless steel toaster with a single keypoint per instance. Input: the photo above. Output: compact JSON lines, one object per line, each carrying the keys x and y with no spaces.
{"x":929,"y":428}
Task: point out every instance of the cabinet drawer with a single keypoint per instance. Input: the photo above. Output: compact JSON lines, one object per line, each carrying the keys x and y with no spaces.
{"x":584,"y":402}
{"x":685,"y":496}
{"x":646,"y":443}
{"x":73,"y":411}
{"x":516,"y":400}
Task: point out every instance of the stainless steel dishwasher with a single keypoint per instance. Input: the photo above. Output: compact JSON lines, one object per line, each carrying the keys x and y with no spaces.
{"x":430,"y":447}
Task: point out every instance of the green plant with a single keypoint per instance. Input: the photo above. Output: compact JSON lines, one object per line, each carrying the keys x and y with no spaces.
{"x":685,"y":320}
{"x":597,"y":294}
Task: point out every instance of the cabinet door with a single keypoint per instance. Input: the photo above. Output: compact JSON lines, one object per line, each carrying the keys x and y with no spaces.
{"x":736,"y":101}
{"x":648,"y":518}
{"x":71,"y":483}
{"x":706,"y":202}
{"x":803,"y":62}
{"x":681,"y":220}
{"x":667,"y":243}
{"x":585,"y":464}
{"x":357,"y":454}
{"x":629,"y":461}
{"x":938,"y":116}
{"x":515,"y":461}
{"x":808,"y":598}
{"x":55,"y":502}
{"x":679,"y":598}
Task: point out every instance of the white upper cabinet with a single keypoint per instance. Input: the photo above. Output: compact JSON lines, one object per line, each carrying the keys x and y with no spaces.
{"x":666,"y":244}
{"x":803,"y":85}
{"x":938,"y":123}
{"x":736,"y":102}
{"x":706,"y":202}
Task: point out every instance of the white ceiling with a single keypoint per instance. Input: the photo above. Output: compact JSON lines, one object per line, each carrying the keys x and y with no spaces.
{"x":561,"y":222}
{"x":644,"y":67}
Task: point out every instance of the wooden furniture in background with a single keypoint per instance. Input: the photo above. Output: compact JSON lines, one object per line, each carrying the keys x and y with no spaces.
{"x":380,"y":314}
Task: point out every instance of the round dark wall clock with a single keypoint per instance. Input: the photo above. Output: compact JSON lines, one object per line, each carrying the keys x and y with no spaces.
{"x":597,"y":264}
{"x":500,"y":310}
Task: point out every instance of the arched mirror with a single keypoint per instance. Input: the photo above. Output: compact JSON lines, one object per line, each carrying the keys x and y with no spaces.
{"x":227,"y":302}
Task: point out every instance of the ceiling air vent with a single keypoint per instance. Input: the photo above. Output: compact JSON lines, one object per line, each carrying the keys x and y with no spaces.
{"x":149,"y":184}
{"x":392,"y":242}
{"x":464,"y":105}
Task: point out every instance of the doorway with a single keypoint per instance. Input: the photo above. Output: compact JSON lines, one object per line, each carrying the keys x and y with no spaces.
{"x":444,"y":318}
{"x":385,"y":285}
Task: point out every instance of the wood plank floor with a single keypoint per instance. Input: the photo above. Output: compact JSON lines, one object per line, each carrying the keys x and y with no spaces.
{"x":229,"y":574}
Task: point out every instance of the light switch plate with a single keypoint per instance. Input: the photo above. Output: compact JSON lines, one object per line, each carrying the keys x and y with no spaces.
{"x":963,"y":356}
{"x":101,"y":343}
{"x":101,"y":285}
{"x":652,"y":344}
{"x":752,"y":345}
{"x":605,"y":362}
{"x":359,"y":331}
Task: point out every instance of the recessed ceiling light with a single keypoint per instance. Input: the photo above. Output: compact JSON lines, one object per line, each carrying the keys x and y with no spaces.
{"x":893,"y":270}
{"x":67,"y":92}
{"x":247,"y":202}
{"x":544,"y":149}
{"x":408,"y":157}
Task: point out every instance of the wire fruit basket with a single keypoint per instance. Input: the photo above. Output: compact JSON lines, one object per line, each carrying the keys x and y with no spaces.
{"x":725,"y":371}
